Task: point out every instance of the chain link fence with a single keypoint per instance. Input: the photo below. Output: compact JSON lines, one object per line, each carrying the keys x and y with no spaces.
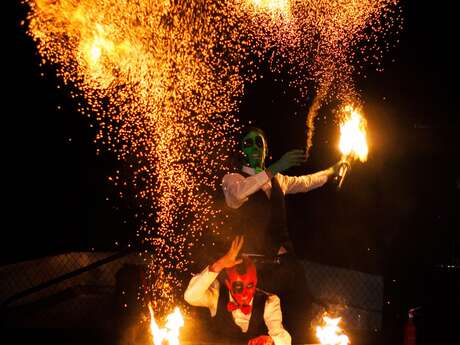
{"x":82,"y":300}
{"x":357,"y":297}
{"x":86,"y":299}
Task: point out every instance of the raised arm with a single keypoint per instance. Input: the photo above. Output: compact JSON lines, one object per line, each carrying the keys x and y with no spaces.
{"x":203,"y":288}
{"x":306,"y":183}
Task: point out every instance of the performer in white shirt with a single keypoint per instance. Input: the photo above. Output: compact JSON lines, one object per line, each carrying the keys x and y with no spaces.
{"x":256,"y":193}
{"x":255,"y":200}
{"x":239,"y":311}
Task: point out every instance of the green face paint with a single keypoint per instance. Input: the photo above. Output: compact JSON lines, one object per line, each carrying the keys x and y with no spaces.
{"x":255,"y":149}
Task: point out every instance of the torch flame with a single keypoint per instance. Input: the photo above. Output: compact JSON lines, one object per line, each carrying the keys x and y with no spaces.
{"x":353,"y":135}
{"x":330,"y":333}
{"x":170,"y":333}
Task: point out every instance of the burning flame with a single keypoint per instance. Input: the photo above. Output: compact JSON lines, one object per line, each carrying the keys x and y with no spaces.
{"x":330,"y":333}
{"x":170,"y":333}
{"x":353,"y":135}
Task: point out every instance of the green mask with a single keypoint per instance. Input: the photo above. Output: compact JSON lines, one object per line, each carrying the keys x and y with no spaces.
{"x":255,"y":149}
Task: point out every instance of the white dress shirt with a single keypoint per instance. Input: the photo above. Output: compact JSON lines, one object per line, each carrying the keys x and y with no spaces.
{"x":237,"y":188}
{"x":203,"y":291}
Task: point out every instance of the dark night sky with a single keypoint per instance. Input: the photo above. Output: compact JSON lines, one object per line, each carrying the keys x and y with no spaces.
{"x":397,"y":212}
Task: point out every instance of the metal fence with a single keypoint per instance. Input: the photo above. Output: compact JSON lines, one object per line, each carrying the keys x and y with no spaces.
{"x":357,"y":296}
{"x":79,"y":300}
{"x":83,"y":299}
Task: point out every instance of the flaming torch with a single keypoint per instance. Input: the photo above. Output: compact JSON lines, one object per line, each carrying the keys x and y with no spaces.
{"x":353,"y":144}
{"x":330,"y":333}
{"x":170,"y":333}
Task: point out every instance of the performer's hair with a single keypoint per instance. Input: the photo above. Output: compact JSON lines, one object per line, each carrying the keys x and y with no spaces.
{"x":242,"y":267}
{"x":251,"y":128}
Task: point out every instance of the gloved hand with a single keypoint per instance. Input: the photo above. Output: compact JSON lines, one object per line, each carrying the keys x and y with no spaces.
{"x":335,"y":169}
{"x":288,"y":160}
{"x":261,"y":340}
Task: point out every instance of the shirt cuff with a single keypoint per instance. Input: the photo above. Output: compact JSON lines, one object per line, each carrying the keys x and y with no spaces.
{"x":262,"y":178}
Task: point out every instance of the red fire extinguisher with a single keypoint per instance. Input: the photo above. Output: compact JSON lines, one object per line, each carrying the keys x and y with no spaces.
{"x":410,"y":331}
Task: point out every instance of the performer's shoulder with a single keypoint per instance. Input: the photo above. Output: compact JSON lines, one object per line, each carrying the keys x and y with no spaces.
{"x":272,"y":297}
{"x":266,"y":293}
{"x":268,"y":297}
{"x":231,"y":176}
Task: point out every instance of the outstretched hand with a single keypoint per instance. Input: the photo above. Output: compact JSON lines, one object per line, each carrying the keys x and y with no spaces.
{"x":261,"y":340}
{"x":230,"y":258}
{"x":289,"y":159}
{"x":335,"y":169}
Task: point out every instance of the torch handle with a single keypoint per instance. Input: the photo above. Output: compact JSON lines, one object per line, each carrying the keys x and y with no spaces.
{"x":340,"y":177}
{"x":342,"y":174}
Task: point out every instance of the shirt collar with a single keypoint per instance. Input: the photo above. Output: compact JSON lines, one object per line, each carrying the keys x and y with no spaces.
{"x":248,"y":170}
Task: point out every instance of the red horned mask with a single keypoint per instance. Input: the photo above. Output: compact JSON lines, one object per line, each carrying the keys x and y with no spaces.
{"x":241,"y":281}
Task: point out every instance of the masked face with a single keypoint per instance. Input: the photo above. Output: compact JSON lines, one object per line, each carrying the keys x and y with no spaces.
{"x":255,"y":149}
{"x":242,"y":286}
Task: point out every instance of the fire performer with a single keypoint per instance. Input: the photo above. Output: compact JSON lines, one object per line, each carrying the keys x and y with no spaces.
{"x":240,"y":311}
{"x":256,"y":197}
{"x":258,"y":194}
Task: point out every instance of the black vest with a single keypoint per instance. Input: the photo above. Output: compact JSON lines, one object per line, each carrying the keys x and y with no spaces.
{"x":225,"y":327}
{"x":262,"y":221}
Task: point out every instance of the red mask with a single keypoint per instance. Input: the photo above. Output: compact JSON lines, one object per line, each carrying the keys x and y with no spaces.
{"x":242,"y":286}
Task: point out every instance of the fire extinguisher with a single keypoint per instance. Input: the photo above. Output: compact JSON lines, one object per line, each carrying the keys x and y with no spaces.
{"x":410,"y":331}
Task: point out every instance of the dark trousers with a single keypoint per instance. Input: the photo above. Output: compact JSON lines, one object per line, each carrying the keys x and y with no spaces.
{"x":286,"y":278}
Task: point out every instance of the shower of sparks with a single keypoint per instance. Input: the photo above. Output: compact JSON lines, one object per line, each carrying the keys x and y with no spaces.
{"x":157,"y":78}
{"x":324,"y":44}
{"x":163,"y":78}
